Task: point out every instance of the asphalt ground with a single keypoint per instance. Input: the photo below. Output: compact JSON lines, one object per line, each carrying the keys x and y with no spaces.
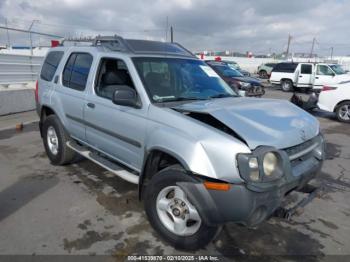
{"x":82,"y":209}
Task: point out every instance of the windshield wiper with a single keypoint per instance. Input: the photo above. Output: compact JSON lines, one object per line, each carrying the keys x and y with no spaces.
{"x":221,"y":96}
{"x":180,"y":98}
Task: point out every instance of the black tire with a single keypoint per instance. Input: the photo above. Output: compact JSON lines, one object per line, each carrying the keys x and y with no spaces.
{"x":263,"y":74}
{"x":339,"y":111}
{"x":169,"y":177}
{"x":287,"y":85}
{"x":64,"y":154}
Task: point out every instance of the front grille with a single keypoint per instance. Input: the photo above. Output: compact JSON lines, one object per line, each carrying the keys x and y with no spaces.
{"x":303,"y":149}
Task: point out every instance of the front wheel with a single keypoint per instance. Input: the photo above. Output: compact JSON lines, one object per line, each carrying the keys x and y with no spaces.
{"x":287,"y":85}
{"x":343,"y":112}
{"x":172,"y":214}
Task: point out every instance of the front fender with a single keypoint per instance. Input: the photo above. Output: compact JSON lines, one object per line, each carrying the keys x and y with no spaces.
{"x":187,"y":150}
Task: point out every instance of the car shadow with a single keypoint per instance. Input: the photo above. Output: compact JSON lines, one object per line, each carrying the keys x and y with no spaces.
{"x":22,"y":192}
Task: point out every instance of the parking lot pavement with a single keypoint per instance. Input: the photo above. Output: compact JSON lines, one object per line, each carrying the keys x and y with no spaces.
{"x":82,"y":209}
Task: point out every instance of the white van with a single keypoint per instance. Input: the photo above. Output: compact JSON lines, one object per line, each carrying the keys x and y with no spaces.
{"x":307,"y":75}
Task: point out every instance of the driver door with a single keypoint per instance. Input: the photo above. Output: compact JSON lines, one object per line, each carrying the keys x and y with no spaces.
{"x":324,"y":76}
{"x":116,"y":130}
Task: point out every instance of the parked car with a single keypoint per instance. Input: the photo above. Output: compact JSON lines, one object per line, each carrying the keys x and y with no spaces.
{"x":252,"y":86}
{"x":292,"y":75}
{"x":155,"y":115}
{"x":264,"y":70}
{"x":336,"y":98}
{"x":234,"y":65}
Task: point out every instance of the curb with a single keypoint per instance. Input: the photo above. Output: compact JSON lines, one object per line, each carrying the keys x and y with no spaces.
{"x":18,"y":126}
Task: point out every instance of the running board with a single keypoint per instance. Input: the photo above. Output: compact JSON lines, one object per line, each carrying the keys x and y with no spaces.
{"x":105,"y":163}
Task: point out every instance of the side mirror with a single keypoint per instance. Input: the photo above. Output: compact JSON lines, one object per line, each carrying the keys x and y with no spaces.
{"x":125,"y":96}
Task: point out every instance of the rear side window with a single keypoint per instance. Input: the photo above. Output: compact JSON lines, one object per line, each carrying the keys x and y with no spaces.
{"x":50,"y":65}
{"x":76,"y":71}
{"x":285,"y":67}
{"x":306,"y":69}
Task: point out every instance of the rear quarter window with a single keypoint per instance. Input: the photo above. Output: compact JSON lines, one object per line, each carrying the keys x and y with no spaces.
{"x":50,"y":65}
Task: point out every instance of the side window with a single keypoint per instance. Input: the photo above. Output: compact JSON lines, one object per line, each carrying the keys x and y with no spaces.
{"x":324,"y":70}
{"x":68,"y":70}
{"x":112,"y":73}
{"x":76,"y":71}
{"x":285,"y":67}
{"x":306,"y":69}
{"x":50,"y":65}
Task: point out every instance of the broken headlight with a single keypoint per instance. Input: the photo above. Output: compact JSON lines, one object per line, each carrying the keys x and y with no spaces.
{"x":263,"y":165}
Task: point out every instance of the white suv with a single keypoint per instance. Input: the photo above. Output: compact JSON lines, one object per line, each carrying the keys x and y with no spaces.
{"x":307,"y":75}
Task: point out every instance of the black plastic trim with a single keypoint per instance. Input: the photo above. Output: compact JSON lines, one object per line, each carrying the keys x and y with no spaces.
{"x":103,"y":130}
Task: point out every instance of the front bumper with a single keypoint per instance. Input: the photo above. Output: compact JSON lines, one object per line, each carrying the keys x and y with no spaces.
{"x":250,"y":205}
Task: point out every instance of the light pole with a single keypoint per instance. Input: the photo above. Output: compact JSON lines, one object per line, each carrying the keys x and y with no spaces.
{"x":30,"y":35}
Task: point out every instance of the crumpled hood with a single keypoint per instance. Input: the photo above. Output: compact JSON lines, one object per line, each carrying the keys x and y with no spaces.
{"x":260,"y":121}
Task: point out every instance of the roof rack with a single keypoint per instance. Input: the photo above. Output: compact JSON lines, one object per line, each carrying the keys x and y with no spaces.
{"x":118,"y":43}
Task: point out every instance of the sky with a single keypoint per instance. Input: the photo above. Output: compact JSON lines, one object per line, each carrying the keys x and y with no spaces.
{"x":251,"y":25}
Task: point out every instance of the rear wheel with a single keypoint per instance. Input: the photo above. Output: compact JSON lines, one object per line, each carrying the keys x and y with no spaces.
{"x":343,"y":112}
{"x":55,"y":139}
{"x":171,"y":213}
{"x":287,"y":85}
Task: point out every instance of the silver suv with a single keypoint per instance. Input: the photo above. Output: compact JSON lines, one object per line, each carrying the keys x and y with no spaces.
{"x":155,"y":115}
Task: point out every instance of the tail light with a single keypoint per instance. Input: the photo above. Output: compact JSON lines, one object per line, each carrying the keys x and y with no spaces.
{"x":37,"y":91}
{"x":328,"y":88}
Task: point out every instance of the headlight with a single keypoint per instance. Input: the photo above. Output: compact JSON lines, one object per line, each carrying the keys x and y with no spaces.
{"x":254,"y":169}
{"x":272,"y":166}
{"x":263,"y":165}
{"x":270,"y":163}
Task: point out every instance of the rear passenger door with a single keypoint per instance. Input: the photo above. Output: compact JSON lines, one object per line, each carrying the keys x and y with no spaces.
{"x":71,"y":92}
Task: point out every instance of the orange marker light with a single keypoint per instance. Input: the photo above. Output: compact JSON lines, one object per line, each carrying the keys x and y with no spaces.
{"x":217,"y":186}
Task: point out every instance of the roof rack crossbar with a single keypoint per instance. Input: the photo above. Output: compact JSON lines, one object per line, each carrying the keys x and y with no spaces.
{"x":114,"y":43}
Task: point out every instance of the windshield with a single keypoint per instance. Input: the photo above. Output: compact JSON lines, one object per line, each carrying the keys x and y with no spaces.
{"x":337,"y":69}
{"x":227,"y":71}
{"x":175,"y":79}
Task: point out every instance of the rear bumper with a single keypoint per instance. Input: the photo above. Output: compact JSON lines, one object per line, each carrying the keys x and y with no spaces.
{"x":244,"y":205}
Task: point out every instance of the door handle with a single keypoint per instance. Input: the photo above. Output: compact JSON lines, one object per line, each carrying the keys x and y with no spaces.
{"x":300,"y":76}
{"x":91,"y":105}
{"x":316,"y":77}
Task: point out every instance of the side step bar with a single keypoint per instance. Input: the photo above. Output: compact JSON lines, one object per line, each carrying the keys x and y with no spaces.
{"x":105,"y":163}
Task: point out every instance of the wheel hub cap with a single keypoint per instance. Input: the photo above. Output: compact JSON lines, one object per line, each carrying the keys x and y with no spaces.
{"x":344,"y":112}
{"x":52,"y":140}
{"x":176,"y":213}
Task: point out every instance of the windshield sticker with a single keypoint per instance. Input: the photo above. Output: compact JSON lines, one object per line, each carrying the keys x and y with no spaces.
{"x":209,"y":71}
